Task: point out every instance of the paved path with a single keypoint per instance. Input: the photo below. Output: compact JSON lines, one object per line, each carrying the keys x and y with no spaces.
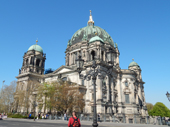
{"x":11,"y":122}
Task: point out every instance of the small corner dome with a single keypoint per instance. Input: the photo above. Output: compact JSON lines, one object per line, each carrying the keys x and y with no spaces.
{"x":96,"y":38}
{"x":133,"y":63}
{"x":36,"y":48}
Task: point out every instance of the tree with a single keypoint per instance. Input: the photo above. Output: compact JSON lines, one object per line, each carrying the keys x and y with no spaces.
{"x":159,"y":109}
{"x":149,"y":106}
{"x":7,"y":97}
{"x":61,"y":96}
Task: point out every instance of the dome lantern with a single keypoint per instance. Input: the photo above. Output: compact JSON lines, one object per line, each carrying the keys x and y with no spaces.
{"x":90,"y":22}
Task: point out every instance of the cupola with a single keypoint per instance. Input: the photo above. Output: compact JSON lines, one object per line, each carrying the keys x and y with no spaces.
{"x":36,"y":47}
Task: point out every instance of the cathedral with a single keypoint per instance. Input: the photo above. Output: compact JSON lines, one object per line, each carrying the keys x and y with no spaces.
{"x":120,"y":95}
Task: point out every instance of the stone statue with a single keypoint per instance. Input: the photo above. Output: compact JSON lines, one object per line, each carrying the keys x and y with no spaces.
{"x":84,"y":37}
{"x":116,"y":45}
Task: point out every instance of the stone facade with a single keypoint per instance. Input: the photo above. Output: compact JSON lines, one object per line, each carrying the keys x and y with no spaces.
{"x":120,"y":94}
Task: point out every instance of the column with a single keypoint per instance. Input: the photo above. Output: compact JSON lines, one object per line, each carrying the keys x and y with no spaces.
{"x":78,"y":53}
{"x":119,"y":92}
{"x":139,"y":91}
{"x":29,"y":62}
{"x":35,"y":60}
{"x":70,"y":59}
{"x":86,"y":55}
{"x":99,"y":53}
{"x":24,"y":61}
{"x":40,"y":63}
{"x":107,"y":85}
{"x":117,"y":58}
{"x":99,"y":89}
{"x":114,"y":59}
{"x":104,"y":59}
{"x":67,"y":59}
{"x":73,"y":57}
{"x":112,"y":88}
{"x":132,"y":98}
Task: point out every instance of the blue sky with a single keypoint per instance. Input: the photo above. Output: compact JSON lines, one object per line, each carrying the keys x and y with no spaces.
{"x":141,"y":28}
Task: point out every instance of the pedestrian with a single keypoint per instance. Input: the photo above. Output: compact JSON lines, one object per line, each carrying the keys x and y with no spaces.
{"x":0,"y":116}
{"x":65,"y":116}
{"x":39,"y":116}
{"x":98,"y":117}
{"x":42,"y":116}
{"x":74,"y":121}
{"x":30,"y":116}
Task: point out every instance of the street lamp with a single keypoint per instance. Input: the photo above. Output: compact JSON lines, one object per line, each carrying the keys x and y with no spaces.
{"x":109,"y":56}
{"x":93,"y":73}
{"x":168,"y":96}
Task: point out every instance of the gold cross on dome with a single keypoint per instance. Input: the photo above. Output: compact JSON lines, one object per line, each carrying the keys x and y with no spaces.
{"x":36,"y":41}
{"x":133,"y":59}
{"x":90,"y":12}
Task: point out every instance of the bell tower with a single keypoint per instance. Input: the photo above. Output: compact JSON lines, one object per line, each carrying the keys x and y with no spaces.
{"x":33,"y":60}
{"x":31,"y":73}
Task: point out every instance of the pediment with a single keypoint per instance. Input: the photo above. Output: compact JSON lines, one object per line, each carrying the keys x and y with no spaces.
{"x":63,"y":69}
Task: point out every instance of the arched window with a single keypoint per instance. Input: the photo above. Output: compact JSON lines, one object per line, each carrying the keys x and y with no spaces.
{"x":26,"y":61}
{"x":32,"y":60}
{"x":38,"y":62}
{"x":84,"y":53}
{"x":42,"y":64}
{"x":126,"y":84}
{"x":92,"y":55}
{"x":102,"y":56}
{"x":82,"y":82}
{"x":127,"y":98}
{"x":79,"y":53}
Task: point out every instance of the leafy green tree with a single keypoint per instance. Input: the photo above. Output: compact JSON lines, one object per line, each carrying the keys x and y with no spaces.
{"x":159,"y":109}
{"x":149,"y":106}
{"x":61,"y":96}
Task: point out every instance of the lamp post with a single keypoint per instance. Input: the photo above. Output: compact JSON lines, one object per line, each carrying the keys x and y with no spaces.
{"x":168,"y":96}
{"x":93,"y":73}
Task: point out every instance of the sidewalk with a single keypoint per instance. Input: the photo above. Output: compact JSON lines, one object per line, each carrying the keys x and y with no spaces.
{"x":108,"y":124}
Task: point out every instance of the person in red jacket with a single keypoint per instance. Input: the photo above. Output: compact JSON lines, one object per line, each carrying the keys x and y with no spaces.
{"x":74,"y":121}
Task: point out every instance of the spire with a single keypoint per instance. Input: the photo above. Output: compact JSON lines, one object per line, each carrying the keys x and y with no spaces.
{"x":90,"y":22}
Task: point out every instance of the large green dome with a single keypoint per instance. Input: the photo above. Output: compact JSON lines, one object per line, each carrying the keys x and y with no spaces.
{"x":36,"y":48}
{"x":86,"y":33}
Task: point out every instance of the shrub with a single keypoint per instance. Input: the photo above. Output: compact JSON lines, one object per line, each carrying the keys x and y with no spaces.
{"x":17,"y":116}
